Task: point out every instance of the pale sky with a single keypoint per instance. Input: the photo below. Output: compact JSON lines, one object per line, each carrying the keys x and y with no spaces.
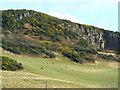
{"x":100,"y":13}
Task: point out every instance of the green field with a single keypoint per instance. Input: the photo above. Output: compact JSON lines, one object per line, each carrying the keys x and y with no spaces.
{"x":60,"y":73}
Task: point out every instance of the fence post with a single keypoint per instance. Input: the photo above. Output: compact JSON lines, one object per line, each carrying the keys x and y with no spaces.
{"x":46,"y":85}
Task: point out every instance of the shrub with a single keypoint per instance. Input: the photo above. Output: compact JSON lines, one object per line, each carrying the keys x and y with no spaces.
{"x":50,"y":54}
{"x":15,"y":49}
{"x":55,"y":38}
{"x":70,"y":34}
{"x":41,"y":67}
{"x":109,"y":57}
{"x":82,"y":42}
{"x":87,"y":50}
{"x":10,"y":64}
{"x":72,"y":56}
{"x":89,"y":59}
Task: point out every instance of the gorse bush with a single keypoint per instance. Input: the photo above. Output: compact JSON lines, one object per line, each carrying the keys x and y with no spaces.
{"x":24,"y":47}
{"x":10,"y":64}
{"x":82,"y":49}
{"x":72,"y":56}
{"x":109,"y":57}
{"x":90,"y":59}
{"x":83,"y":43}
{"x":50,"y":54}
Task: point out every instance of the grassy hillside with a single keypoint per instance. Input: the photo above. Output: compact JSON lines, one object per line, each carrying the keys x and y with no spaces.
{"x":31,"y":32}
{"x":60,"y":71}
{"x":36,"y":33}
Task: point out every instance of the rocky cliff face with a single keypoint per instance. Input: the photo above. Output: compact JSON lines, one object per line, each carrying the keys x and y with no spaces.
{"x":100,"y":38}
